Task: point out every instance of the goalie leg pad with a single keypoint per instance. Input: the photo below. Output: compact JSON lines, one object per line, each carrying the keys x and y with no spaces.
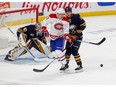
{"x":28,"y":45}
{"x":38,"y":46}
{"x":14,"y":53}
{"x":23,"y":39}
{"x":46,"y":49}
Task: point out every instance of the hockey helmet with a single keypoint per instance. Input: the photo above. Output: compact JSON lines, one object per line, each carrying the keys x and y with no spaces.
{"x":61,"y":11}
{"x":68,"y":9}
{"x":38,"y":25}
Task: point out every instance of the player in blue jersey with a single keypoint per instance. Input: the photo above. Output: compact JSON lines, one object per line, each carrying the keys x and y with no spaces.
{"x":28,"y":36}
{"x":77,"y":25}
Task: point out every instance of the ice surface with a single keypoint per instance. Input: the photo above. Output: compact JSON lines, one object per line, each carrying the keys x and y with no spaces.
{"x":20,"y":72}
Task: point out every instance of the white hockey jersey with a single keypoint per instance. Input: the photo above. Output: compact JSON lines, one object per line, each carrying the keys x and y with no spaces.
{"x":57,"y":27}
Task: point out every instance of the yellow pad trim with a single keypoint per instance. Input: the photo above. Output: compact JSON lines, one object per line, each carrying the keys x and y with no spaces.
{"x":39,"y":47}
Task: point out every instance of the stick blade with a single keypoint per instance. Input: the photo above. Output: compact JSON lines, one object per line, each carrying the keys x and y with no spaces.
{"x":38,"y":70}
{"x":101,"y":41}
{"x":41,"y":70}
{"x":98,"y":42}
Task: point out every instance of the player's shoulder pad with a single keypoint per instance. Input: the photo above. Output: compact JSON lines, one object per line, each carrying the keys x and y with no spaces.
{"x":52,"y":16}
{"x":31,"y":25}
{"x":77,"y":15}
{"x":65,"y":19}
{"x":26,"y":26}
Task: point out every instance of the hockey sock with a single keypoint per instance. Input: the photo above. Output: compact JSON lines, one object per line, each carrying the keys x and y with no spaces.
{"x":67,"y":60}
{"x":78,"y":60}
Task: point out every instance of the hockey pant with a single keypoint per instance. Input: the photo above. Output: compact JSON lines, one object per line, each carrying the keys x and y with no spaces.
{"x":57,"y":47}
{"x":73,"y":50}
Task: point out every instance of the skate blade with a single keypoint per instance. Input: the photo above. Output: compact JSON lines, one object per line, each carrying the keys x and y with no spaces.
{"x":63,"y":71}
{"x":78,"y":71}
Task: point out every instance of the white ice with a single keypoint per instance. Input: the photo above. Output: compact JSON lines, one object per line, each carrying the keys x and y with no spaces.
{"x":92,"y":56}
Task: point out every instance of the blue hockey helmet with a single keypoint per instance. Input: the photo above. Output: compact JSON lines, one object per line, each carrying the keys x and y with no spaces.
{"x":68,"y":9}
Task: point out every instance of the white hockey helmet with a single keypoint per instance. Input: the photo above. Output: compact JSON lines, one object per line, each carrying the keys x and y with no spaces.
{"x":60,"y":11}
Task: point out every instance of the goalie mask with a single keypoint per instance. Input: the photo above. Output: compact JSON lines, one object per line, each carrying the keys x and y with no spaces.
{"x":38,"y":25}
{"x":38,"y":29}
{"x":72,"y":29}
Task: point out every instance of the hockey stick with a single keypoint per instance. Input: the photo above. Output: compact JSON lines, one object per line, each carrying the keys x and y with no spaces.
{"x":98,"y":43}
{"x":35,"y":58}
{"x":41,"y":70}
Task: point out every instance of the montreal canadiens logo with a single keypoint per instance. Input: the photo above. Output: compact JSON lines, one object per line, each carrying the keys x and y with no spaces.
{"x":58,"y":26}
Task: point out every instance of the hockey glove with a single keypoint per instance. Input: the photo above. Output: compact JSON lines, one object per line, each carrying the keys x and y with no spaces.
{"x":74,"y":38}
{"x":45,"y":31}
{"x":68,"y":38}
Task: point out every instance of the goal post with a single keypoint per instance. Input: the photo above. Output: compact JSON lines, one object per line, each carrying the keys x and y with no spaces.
{"x":15,"y":18}
{"x":22,"y":11}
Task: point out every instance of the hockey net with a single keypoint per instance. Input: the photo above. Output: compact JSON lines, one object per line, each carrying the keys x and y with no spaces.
{"x":15,"y":18}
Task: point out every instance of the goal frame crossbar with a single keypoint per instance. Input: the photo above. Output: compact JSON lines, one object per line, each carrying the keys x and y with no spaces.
{"x":21,"y":10}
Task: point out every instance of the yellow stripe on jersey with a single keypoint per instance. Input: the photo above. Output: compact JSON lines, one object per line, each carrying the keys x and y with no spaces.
{"x":20,"y":30}
{"x":84,"y":24}
{"x":79,"y":31}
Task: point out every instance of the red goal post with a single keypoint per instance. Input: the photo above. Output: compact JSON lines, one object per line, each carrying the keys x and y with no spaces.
{"x":13,"y":19}
{"x":22,"y":11}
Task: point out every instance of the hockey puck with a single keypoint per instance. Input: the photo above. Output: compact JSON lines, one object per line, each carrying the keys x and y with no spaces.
{"x":101,"y":65}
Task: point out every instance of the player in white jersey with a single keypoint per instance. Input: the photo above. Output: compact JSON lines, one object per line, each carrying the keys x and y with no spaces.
{"x":58,"y":32}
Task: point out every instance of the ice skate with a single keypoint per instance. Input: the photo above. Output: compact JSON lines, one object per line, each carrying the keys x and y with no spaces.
{"x":79,"y":69}
{"x":64,"y":67}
